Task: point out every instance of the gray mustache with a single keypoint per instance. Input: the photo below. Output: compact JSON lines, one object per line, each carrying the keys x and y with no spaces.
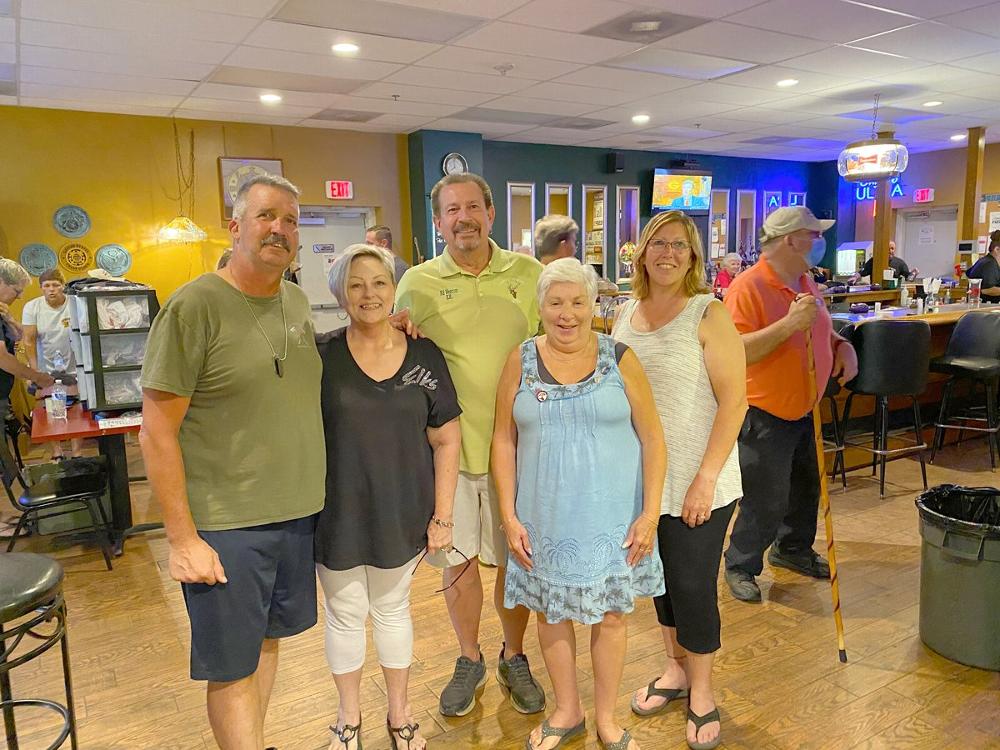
{"x":275,"y":239}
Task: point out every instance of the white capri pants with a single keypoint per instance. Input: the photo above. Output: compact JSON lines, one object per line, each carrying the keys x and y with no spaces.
{"x":349,"y":596}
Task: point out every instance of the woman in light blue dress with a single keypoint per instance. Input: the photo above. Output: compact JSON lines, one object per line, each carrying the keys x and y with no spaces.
{"x":578,"y":458}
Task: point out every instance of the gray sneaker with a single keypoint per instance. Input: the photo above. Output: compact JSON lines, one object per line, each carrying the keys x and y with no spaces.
{"x":742,"y":584}
{"x":514,"y":674}
{"x":459,"y":695}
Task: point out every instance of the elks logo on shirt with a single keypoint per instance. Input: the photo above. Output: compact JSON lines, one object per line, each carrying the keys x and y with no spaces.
{"x":448,"y":293}
{"x":422,"y":377}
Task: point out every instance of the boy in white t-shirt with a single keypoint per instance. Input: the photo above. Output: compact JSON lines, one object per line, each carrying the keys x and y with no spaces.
{"x":46,"y":335}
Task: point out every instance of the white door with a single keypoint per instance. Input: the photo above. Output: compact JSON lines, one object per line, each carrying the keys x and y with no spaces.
{"x":324,"y":233}
{"x":927,"y":240}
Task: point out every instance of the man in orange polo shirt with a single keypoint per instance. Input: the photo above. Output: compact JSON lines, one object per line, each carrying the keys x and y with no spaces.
{"x":776,"y":306}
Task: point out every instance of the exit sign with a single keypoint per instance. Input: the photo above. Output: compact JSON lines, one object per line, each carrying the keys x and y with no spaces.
{"x":340,"y":190}
{"x":923,"y":195}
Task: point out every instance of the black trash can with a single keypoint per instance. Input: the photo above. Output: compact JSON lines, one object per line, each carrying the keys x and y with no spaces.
{"x":960,"y":573}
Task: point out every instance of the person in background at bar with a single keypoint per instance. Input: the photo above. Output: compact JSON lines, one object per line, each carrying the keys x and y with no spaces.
{"x":987,"y":268}
{"x":390,"y":415}
{"x":232,"y":437}
{"x":476,"y":301}
{"x":555,"y":237}
{"x":732,"y":266}
{"x":46,"y":336}
{"x":381,"y":236}
{"x":897,"y":264}
{"x":693,"y":357}
{"x":775,"y":306}
{"x":579,"y":460}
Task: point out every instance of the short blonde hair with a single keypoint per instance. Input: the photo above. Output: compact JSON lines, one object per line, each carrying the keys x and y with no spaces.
{"x":341,"y":269}
{"x":571,"y":271}
{"x":694,"y":279}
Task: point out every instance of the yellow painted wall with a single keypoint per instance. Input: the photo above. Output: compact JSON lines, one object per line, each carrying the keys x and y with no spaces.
{"x":121,"y":169}
{"x":942,"y":170}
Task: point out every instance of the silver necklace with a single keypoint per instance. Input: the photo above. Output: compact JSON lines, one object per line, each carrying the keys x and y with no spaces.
{"x":279,"y":366}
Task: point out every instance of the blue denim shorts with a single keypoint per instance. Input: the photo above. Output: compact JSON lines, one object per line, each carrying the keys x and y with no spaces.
{"x":271,"y":593}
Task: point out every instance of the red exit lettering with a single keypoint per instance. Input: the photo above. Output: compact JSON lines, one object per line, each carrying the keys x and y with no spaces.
{"x":923,"y":195}
{"x":340,"y":190}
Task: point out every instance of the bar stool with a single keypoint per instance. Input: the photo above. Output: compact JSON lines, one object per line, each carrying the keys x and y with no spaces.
{"x":893,"y":359}
{"x":31,"y":601}
{"x":835,"y":446}
{"x":973,"y":355}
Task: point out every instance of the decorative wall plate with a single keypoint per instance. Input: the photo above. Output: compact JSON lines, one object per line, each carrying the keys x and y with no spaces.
{"x":38,"y":258}
{"x":114,"y":259}
{"x":75,"y":257}
{"x":71,"y":221}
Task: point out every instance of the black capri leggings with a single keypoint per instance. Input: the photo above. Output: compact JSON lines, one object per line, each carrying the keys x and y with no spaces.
{"x":691,"y":574}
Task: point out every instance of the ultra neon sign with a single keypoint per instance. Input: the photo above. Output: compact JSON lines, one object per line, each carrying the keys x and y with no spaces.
{"x":865,"y":191}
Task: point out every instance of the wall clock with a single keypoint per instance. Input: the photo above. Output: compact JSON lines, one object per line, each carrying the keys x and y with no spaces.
{"x":454,"y":163}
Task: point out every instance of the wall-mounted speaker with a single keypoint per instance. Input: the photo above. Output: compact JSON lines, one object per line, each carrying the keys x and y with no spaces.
{"x":616,"y":162}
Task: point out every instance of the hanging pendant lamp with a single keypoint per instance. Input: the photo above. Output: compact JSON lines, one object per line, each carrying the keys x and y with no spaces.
{"x":874,"y":159}
{"x":182,"y":229}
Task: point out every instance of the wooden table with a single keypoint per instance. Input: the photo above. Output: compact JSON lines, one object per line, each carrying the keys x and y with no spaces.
{"x":111,"y":443}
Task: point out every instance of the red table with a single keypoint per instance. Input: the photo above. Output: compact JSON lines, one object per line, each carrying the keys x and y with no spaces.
{"x":111,"y":443}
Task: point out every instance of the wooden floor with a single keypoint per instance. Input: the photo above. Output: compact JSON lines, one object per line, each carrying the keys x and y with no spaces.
{"x":779,"y":682}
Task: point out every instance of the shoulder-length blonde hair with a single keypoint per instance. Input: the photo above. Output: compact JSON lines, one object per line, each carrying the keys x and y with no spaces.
{"x":694,"y":279}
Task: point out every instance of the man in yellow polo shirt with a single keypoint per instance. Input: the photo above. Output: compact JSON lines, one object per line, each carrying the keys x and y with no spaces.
{"x":477,"y":302}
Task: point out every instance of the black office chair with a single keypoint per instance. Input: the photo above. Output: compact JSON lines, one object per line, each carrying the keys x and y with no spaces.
{"x":54,"y":496}
{"x":893,"y":358}
{"x":973,"y":356}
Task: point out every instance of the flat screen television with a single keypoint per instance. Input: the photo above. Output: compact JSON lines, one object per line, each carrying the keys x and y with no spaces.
{"x":683,"y":191}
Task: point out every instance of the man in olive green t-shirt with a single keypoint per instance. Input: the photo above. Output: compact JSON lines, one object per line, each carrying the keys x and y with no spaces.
{"x":232,"y":438}
{"x":476,"y":302}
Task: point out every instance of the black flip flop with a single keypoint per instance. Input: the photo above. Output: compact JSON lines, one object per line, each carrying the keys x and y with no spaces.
{"x":654,"y":692}
{"x":699,"y":722}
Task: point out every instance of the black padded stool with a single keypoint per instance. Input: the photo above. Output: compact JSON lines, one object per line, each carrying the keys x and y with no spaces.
{"x":32,"y":607}
{"x":893,"y":359}
{"x":973,"y":355}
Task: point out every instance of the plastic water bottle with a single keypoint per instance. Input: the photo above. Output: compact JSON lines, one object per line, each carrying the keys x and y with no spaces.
{"x":58,"y":401}
{"x":58,"y":363}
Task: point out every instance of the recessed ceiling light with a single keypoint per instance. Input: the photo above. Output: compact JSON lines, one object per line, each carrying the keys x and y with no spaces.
{"x":787,"y":82}
{"x":640,"y":119}
{"x":960,"y":136}
{"x":270,"y":98}
{"x":345,"y":48}
{"x":933,"y":104}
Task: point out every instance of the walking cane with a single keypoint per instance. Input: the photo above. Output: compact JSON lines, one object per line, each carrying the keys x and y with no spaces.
{"x":824,"y":499}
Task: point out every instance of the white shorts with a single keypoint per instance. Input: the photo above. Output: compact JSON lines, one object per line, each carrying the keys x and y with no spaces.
{"x":477,"y":529}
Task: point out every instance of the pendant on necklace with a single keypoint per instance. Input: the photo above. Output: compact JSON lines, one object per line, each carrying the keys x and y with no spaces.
{"x":279,"y":367}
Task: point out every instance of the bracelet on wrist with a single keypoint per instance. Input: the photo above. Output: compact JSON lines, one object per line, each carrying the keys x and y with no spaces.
{"x":445,"y":524}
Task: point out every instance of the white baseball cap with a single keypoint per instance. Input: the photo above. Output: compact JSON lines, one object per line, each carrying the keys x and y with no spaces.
{"x":791,"y":219}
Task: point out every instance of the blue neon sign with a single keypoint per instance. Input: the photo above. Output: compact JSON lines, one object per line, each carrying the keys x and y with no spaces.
{"x":865,"y":191}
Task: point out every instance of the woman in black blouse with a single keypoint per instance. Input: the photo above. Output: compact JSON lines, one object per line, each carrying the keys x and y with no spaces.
{"x":392,"y":437}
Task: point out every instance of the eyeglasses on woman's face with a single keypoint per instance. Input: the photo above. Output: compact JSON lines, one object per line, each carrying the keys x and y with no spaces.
{"x":659,"y":245}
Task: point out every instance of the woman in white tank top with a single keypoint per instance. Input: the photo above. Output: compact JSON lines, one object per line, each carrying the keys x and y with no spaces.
{"x":694,"y":359}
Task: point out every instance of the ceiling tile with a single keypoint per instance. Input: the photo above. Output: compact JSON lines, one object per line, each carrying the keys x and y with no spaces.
{"x":768,"y":116}
{"x":485,"y":61}
{"x":722,"y":122}
{"x":988,"y":63}
{"x":516,"y":39}
{"x":129,"y":43}
{"x":312,"y":40}
{"x":728,"y":40}
{"x":702,"y":8}
{"x":8,"y":30}
{"x":383,"y":123}
{"x":849,"y":61}
{"x":224,"y":116}
{"x":927,"y":8}
{"x":682,"y":64}
{"x":298,"y":62}
{"x":8,"y":101}
{"x":8,"y":54}
{"x":479,"y":8}
{"x":985,"y":19}
{"x":252,"y":108}
{"x":548,"y":106}
{"x":458,"y":80}
{"x":127,"y":109}
{"x":829,"y":20}
{"x":667,"y":107}
{"x":485,"y":114}
{"x":270,"y":79}
{"x":98,"y":96}
{"x":951,"y":104}
{"x":113,"y":82}
{"x":127,"y":15}
{"x":427,"y":94}
{"x":473,"y":126}
{"x":623,"y":80}
{"x":675,"y":131}
{"x":721,"y":93}
{"x":387,"y":106}
{"x":377,"y":17}
{"x":253,"y":8}
{"x":766,"y":77}
{"x":573,"y":16}
{"x":98,"y":62}
{"x":933,"y":42}
{"x":580,"y":94}
{"x":252,"y":94}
